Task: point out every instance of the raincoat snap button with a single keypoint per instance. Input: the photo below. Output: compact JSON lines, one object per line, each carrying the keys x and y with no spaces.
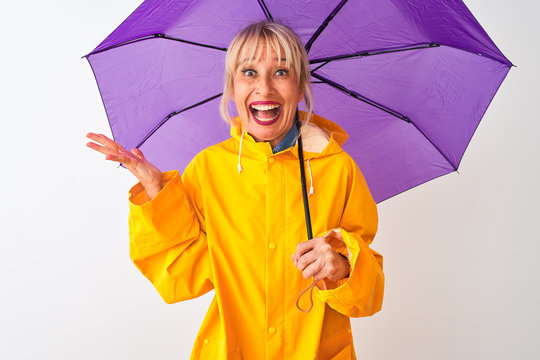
{"x":272,"y":330}
{"x":272,"y":246}
{"x":271,"y":160}
{"x":206,"y":341}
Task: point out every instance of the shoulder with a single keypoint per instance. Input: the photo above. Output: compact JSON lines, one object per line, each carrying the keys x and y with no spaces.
{"x":210,"y":158}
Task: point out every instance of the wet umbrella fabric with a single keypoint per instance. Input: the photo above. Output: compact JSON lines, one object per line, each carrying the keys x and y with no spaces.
{"x":409,"y":80}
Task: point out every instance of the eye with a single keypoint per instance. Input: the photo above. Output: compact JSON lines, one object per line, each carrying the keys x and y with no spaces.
{"x":248,"y":72}
{"x":282,"y":72}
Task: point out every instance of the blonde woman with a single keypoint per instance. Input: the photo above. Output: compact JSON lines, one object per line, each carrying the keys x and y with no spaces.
{"x":234,"y":221}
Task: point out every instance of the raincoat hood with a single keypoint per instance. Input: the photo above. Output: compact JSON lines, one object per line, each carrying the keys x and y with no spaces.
{"x":320,"y":137}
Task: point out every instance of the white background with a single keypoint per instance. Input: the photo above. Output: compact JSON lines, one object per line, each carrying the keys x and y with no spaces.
{"x":461,"y":252}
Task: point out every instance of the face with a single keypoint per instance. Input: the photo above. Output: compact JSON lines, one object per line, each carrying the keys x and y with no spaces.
{"x":266,"y":94}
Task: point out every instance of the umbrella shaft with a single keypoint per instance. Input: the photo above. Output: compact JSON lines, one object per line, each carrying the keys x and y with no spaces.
{"x":303,"y":180}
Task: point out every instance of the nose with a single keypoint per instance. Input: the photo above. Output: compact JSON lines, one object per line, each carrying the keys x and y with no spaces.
{"x":265,"y":86}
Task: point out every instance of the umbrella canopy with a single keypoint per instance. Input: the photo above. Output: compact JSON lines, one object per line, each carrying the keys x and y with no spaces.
{"x":409,"y":80}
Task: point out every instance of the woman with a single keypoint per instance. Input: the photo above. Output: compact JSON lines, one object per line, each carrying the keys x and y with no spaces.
{"x":234,"y":221}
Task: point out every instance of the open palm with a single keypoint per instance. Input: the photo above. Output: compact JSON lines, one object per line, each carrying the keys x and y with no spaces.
{"x":134,"y":160}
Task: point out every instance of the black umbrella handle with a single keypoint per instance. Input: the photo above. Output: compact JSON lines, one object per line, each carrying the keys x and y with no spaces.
{"x":303,"y":178}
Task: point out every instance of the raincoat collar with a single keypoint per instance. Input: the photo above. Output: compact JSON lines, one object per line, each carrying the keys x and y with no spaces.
{"x":320,"y":137}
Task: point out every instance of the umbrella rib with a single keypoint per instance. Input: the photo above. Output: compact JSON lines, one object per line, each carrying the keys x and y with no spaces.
{"x":173,"y":114}
{"x":360,"y":97}
{"x":324,"y":25}
{"x":265,"y":10}
{"x":320,"y":66}
{"x":154,"y":36}
{"x":417,"y":46}
{"x":383,"y":108}
{"x":357,"y":54}
{"x":190,"y":42}
{"x":435,"y":146}
{"x":509,"y":64}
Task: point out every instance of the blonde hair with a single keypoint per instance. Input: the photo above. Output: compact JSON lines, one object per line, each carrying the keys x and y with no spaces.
{"x":277,"y":37}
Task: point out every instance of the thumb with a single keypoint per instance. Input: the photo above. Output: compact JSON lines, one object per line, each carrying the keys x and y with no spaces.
{"x":138,"y":153}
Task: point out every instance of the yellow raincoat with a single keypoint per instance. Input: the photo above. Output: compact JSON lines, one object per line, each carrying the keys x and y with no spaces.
{"x":234,"y":231}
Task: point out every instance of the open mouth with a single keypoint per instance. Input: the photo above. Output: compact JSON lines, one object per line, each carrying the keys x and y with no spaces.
{"x":265,"y":114}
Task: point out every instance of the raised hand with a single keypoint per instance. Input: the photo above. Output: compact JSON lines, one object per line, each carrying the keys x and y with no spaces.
{"x":134,"y":161}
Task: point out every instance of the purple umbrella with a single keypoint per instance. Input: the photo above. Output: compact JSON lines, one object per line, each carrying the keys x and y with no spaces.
{"x":409,"y":80}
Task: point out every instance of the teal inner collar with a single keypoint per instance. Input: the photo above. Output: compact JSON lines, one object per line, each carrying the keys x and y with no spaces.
{"x":288,"y":141}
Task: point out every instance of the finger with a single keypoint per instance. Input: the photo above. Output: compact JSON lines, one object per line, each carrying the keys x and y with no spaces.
{"x":306,"y":246}
{"x":294,"y":259}
{"x":118,"y":158}
{"x":96,"y":137}
{"x":305,"y":260}
{"x":314,"y":269}
{"x":101,"y":149}
{"x":110,"y":154}
{"x":303,"y":247}
{"x":103,"y":140}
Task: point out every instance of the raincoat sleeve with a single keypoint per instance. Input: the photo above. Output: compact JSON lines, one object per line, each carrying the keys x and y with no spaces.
{"x":167,"y":242}
{"x":361,"y":293}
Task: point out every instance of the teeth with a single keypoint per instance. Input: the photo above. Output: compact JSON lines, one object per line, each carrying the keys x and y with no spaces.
{"x":266,"y":119}
{"x":264,"y":107}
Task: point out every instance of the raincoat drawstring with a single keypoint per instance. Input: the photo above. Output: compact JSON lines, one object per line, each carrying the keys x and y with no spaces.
{"x":240,"y":152}
{"x":310,"y":179}
{"x":310,"y":289}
